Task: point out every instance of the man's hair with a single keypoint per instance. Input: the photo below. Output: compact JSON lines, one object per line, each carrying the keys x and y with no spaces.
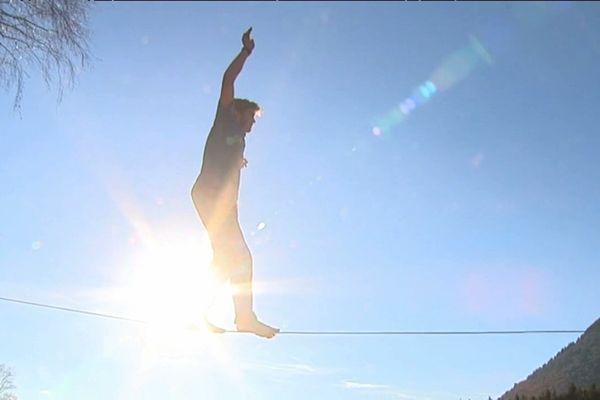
{"x":242,"y":105}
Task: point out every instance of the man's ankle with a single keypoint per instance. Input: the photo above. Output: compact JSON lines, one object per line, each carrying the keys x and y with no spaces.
{"x":245,"y":318}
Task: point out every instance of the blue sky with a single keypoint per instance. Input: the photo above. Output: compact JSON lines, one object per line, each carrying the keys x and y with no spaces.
{"x":368,"y":203}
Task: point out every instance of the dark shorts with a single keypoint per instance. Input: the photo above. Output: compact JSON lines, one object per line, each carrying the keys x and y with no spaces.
{"x":231,"y":255}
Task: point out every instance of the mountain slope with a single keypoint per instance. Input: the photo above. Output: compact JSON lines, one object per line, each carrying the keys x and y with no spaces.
{"x":578,"y":364}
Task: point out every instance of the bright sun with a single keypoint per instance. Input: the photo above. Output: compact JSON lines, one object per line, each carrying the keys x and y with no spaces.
{"x":167,"y":284}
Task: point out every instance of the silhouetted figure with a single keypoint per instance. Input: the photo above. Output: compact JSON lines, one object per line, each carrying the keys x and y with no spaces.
{"x":215,"y":194}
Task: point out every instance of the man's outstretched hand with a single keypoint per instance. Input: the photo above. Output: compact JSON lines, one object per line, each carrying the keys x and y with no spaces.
{"x":247,"y":41}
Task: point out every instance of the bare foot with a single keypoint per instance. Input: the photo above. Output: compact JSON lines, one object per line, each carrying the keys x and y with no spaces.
{"x":253,"y":325}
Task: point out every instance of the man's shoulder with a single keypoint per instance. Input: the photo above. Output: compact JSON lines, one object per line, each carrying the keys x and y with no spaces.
{"x":224,"y":114}
{"x":224,"y":122}
{"x":225,"y":108}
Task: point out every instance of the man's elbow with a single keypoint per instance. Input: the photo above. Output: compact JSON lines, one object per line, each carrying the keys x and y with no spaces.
{"x":228,"y":77}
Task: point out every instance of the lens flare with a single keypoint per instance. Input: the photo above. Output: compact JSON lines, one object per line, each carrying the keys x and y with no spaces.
{"x":431,"y":87}
{"x":461,"y":63}
{"x":454,"y":68}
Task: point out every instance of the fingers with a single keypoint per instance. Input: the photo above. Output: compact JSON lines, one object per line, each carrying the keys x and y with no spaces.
{"x":247,"y":41}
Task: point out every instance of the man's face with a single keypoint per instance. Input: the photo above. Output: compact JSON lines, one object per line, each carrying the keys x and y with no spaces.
{"x":247,"y":119}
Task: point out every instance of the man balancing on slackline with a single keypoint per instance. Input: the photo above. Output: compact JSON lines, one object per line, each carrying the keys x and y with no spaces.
{"x":215,"y":194}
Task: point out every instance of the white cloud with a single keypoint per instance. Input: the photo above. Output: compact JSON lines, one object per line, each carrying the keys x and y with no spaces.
{"x":477,"y":159}
{"x":378,"y":388}
{"x":289,"y":368}
{"x":366,"y":386}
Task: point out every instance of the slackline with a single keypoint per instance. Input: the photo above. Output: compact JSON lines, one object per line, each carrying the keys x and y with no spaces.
{"x":312,"y":333}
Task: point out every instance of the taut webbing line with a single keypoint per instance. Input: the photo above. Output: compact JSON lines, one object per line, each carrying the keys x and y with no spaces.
{"x":312,"y":333}
{"x":73,"y":310}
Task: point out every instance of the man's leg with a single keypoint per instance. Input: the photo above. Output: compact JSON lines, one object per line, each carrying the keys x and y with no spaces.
{"x":231,"y":259}
{"x":212,"y":218}
{"x":234,"y":256}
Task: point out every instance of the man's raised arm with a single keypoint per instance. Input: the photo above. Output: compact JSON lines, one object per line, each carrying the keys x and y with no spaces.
{"x":234,"y":70}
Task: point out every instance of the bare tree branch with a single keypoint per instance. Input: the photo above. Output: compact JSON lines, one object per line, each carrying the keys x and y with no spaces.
{"x":6,"y":384}
{"x":48,"y":35}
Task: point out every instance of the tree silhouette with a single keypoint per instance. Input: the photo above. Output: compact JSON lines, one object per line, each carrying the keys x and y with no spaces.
{"x":6,"y":384}
{"x":42,"y":34}
{"x":574,"y":393}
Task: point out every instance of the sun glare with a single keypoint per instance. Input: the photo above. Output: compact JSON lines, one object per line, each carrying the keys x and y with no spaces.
{"x":168,"y":284}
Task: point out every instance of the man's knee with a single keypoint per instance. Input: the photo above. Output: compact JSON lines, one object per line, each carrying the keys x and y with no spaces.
{"x":196,"y":196}
{"x":238,"y":265}
{"x":243,"y":260}
{"x":195,"y":191}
